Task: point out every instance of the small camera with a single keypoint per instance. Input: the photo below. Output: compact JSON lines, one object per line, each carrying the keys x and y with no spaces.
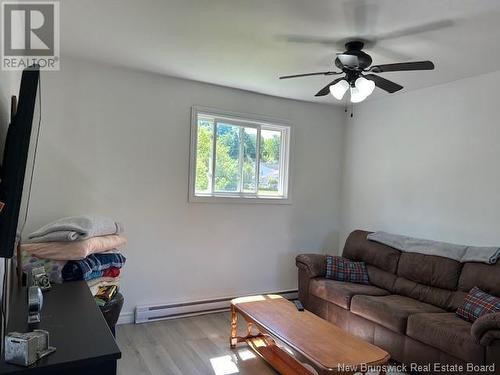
{"x":40,"y":278}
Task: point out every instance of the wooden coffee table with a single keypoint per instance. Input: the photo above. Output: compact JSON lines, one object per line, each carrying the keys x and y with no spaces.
{"x":301,"y":343}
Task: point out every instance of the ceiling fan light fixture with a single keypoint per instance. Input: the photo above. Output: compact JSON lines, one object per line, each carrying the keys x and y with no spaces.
{"x":358,"y":69}
{"x":364,"y":86}
{"x":339,"y":89}
{"x":356,"y":95}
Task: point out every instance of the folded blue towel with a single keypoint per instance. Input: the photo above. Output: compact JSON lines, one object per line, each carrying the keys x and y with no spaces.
{"x":85,"y":269}
{"x":94,"y":275}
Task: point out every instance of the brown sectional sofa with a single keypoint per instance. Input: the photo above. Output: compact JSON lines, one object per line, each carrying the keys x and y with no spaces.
{"x":409,"y":310}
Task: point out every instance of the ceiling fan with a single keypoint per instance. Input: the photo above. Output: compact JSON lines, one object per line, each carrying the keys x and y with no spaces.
{"x":358,"y":70}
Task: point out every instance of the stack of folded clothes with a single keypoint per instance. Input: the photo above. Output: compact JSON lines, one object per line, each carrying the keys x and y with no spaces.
{"x":77,"y":248}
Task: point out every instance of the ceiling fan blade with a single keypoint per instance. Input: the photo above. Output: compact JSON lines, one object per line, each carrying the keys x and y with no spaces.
{"x":399,"y":67}
{"x":391,"y":54}
{"x":418,"y":29}
{"x":383,"y":83}
{"x":326,"y":90}
{"x":330,"y":42}
{"x":310,"y":74}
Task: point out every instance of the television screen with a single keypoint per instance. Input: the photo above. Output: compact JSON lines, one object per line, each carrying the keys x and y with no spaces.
{"x":18,"y":157}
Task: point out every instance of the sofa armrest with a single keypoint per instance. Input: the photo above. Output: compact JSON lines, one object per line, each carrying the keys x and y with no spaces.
{"x":309,"y":266}
{"x":313,"y":264}
{"x":486,"y":328}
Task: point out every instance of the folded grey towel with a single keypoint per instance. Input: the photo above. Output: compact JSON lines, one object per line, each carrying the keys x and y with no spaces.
{"x":460,"y":253}
{"x":488,"y":255}
{"x":75,"y":228}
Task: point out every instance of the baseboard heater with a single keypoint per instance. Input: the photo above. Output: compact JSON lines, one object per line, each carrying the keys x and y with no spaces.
{"x":153,"y":313}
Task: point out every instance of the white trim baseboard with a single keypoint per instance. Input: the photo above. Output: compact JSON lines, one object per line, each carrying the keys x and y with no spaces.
{"x":151,"y":313}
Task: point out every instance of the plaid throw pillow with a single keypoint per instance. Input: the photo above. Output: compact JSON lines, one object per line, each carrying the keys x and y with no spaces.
{"x":342,"y":269}
{"x":478,"y":303}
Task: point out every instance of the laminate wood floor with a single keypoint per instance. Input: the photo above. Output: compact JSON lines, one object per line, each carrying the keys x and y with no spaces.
{"x":188,"y":346}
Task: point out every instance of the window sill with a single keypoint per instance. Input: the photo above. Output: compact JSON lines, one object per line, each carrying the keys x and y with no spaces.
{"x":238,"y":200}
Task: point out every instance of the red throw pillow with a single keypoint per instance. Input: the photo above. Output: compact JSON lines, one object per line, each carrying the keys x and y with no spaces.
{"x":478,"y":303}
{"x":342,"y":269}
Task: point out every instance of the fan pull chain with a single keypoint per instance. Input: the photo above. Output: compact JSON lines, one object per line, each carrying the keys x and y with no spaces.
{"x":352,"y":109}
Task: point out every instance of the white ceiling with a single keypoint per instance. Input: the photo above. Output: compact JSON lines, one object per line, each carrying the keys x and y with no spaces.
{"x":247,"y":44}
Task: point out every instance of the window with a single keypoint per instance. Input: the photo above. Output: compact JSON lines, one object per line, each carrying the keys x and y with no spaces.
{"x":238,"y":157}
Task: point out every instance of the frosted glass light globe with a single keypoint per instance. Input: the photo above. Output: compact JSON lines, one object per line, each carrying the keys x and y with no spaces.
{"x":364,"y":86}
{"x":339,"y":89}
{"x":356,"y":95}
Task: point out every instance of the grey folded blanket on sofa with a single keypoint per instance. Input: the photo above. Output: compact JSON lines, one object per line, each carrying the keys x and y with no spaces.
{"x":460,"y":253}
{"x":76,"y":228}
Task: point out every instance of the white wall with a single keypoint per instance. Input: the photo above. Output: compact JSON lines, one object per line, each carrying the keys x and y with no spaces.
{"x":426,"y":163}
{"x":116,"y":142}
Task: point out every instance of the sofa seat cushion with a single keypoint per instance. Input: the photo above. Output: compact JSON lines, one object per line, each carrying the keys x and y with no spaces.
{"x":390,"y":311}
{"x":341,"y":292}
{"x":446,"y":332}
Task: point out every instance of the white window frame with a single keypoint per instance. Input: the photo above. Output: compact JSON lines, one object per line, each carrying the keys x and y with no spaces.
{"x":249,"y":121}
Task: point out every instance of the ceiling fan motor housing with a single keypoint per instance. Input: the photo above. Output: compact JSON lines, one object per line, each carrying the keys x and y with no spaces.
{"x":354,"y":45}
{"x":354,"y":49}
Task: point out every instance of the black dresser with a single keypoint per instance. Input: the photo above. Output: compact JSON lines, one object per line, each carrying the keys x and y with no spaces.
{"x":84,"y":342}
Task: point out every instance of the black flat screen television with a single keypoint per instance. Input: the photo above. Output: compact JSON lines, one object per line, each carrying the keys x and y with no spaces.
{"x":17,"y":155}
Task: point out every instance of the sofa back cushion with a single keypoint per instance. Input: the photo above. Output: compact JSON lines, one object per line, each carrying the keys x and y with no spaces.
{"x":430,"y":279}
{"x":381,"y":260}
{"x":358,"y":248}
{"x":430,"y":270}
{"x":485,"y":276}
{"x":381,"y":278}
{"x":446,"y":299}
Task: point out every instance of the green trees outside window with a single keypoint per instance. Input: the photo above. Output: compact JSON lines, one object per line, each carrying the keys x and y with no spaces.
{"x":244,"y":162}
